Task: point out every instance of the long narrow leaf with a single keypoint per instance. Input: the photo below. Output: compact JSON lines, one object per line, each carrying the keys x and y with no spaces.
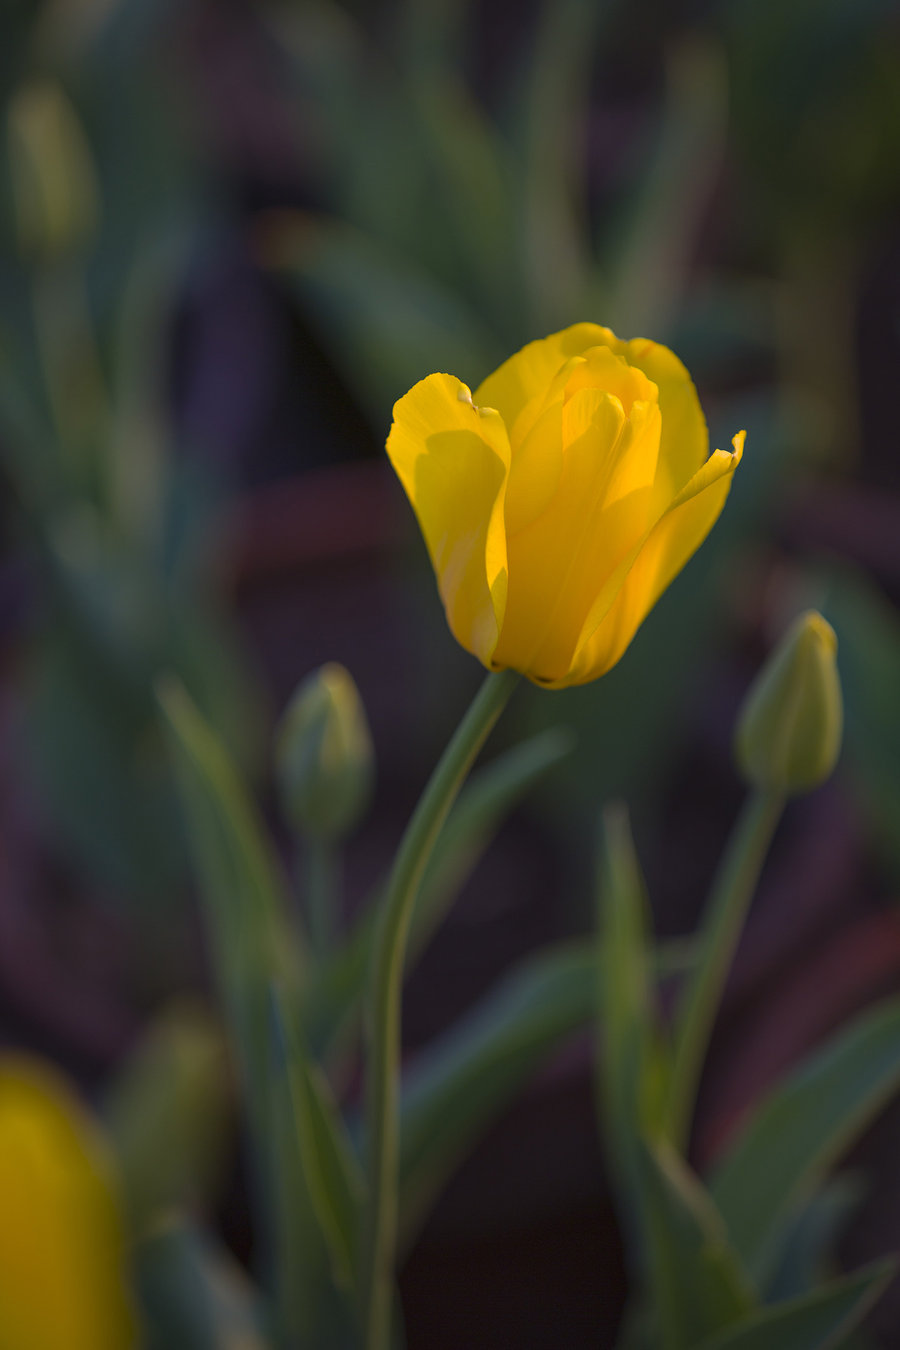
{"x":386,"y":322}
{"x":659,"y":235}
{"x":334,"y":1177}
{"x":629,"y":1063}
{"x":193,"y":1293}
{"x":253,"y":951}
{"x":696,"y":1281}
{"x":466,"y":1078}
{"x":794,"y":1136}
{"x":820,"y":1321}
{"x":810,"y":1240}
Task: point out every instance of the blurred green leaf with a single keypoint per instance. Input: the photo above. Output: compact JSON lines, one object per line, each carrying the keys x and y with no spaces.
{"x":99,"y":761}
{"x":830,"y":70}
{"x":192,"y":1293}
{"x":819,"y":1321}
{"x":548,"y":125}
{"x":808,"y":1245}
{"x":167,"y":1115}
{"x":332,"y":1171}
{"x":658,"y":236}
{"x":469,"y":1074}
{"x":695,"y":1280}
{"x":385,"y":323}
{"x":472,"y":200}
{"x":486,"y":801}
{"x":254,"y":952}
{"x":630,"y":1069}
{"x":791,"y":1139}
{"x":466,"y":1077}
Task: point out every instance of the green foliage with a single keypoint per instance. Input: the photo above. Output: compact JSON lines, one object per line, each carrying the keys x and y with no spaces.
{"x":310,"y":1178}
{"x":818,"y":1321}
{"x":795,"y":1134}
{"x":484,"y":804}
{"x":192,"y":1293}
{"x":330,"y":1167}
{"x":705,"y":1258}
{"x":632,"y":1058}
{"x":302,"y":1166}
{"x":696,"y":1282}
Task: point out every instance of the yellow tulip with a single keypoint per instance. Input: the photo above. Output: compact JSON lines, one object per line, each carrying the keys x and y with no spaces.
{"x":561,"y":499}
{"x":61,"y":1246}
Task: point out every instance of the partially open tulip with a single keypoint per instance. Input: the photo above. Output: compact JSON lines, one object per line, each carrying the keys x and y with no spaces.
{"x":62,"y":1249}
{"x":560,"y":500}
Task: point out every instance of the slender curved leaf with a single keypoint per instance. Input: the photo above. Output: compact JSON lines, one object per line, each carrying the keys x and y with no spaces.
{"x":796,"y":1133}
{"x":819,"y":1321}
{"x":386,"y":322}
{"x":333,"y":1175}
{"x":193,"y":1293}
{"x":696,"y":1282}
{"x":631,"y":1065}
{"x":809,"y":1242}
{"x":466,"y":1078}
{"x":254,"y":951}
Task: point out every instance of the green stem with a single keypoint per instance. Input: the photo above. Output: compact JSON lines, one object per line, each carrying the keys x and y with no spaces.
{"x":322,"y":877}
{"x":729,"y":901}
{"x":380,"y":1232}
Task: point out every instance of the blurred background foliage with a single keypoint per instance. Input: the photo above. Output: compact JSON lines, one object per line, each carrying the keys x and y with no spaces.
{"x":232,"y":235}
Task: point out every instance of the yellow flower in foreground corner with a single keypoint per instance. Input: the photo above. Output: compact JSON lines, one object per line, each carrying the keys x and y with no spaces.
{"x":61,"y":1246}
{"x":560,"y":500}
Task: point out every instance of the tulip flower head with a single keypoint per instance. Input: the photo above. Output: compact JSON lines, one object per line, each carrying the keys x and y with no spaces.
{"x":561,"y":499}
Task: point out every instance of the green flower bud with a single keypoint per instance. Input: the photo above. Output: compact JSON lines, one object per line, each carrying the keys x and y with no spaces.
{"x":53,"y":177}
{"x":323,"y":756}
{"x":789,"y":731}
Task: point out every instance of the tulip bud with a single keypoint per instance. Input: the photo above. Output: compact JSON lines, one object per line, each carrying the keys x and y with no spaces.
{"x":789,"y":731}
{"x":53,"y":177}
{"x":324,"y":757}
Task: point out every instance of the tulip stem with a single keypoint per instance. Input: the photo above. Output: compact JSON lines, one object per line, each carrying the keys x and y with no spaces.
{"x":379,"y":1238}
{"x":729,"y":900}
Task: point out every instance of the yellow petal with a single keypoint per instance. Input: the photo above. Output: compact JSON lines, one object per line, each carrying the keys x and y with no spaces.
{"x":602,"y":368}
{"x":675,"y":537}
{"x":684,"y":444}
{"x":61,"y":1245}
{"x":555,"y":563}
{"x":535,"y":469}
{"x":453,"y":460}
{"x":519,"y":388}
